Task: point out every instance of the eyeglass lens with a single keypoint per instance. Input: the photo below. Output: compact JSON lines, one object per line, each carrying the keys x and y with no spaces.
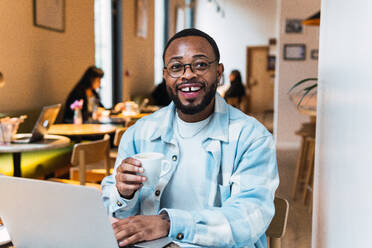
{"x":199,"y":67}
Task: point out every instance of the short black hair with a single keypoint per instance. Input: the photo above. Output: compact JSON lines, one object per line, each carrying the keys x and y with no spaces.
{"x":193,"y":32}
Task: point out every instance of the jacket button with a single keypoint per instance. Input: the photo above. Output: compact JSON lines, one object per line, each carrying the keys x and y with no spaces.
{"x":119,"y":203}
{"x":179,"y":236}
{"x":157,"y":192}
{"x":174,"y":157}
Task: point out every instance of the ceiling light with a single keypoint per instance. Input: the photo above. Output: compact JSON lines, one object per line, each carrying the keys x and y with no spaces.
{"x":313,"y":20}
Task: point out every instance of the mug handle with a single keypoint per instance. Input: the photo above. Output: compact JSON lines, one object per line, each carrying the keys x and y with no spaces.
{"x":165,"y":167}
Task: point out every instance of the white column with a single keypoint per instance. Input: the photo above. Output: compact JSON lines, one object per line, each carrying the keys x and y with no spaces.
{"x":343,"y":169}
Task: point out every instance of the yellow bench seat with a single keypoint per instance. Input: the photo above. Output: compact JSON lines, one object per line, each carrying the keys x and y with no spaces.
{"x":37,"y":164}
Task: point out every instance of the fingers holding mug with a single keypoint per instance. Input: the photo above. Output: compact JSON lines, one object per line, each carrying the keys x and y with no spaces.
{"x":127,"y":179}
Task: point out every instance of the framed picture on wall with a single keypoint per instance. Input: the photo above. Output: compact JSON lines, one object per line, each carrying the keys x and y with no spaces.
{"x":314,"y":54}
{"x":50,"y":14}
{"x":293,"y":26}
{"x":294,"y":52}
{"x":270,"y":62}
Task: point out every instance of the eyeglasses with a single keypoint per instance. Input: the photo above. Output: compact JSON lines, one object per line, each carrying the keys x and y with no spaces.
{"x":176,"y":69}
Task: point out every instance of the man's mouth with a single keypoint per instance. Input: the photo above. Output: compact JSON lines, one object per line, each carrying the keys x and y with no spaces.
{"x":190,"y":90}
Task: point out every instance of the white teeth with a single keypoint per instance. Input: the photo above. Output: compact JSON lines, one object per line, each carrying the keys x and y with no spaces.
{"x":188,"y":89}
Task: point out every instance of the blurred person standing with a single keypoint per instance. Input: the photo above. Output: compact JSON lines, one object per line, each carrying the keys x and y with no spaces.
{"x":236,"y":92}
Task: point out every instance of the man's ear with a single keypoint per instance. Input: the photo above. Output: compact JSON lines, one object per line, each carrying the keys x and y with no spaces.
{"x":164,"y":73}
{"x":220,"y":70}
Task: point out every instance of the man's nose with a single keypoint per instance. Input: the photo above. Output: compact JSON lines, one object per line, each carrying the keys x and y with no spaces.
{"x":188,"y":72}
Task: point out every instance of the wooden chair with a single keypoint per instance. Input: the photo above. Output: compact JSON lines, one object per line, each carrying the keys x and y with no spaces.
{"x":88,"y":153}
{"x":305,"y":156}
{"x":278,"y":224}
{"x":307,"y":193}
{"x":118,"y":134}
{"x":131,"y":122}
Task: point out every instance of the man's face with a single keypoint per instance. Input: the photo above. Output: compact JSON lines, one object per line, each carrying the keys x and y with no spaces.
{"x":191,"y":92}
{"x":96,"y":83}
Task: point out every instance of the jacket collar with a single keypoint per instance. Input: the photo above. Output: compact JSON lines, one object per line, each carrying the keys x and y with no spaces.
{"x":217,"y":127}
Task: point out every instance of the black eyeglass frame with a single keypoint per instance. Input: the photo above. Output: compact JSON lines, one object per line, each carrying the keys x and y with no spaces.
{"x":190,"y":65}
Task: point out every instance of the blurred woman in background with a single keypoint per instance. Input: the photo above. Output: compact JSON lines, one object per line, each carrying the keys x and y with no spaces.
{"x":236,"y":92}
{"x":86,"y":90}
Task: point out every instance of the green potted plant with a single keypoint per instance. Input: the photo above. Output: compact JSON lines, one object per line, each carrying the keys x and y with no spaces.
{"x":303,"y":93}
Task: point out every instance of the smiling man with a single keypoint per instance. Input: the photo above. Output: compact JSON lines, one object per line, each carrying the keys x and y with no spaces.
{"x":221,"y":187}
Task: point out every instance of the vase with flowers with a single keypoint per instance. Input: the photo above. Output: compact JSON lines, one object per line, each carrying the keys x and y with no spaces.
{"x":76,"y":106}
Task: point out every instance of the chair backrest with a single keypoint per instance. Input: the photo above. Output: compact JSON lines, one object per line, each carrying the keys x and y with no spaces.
{"x":119,"y":132}
{"x":278,"y":224}
{"x":130,"y":122}
{"x":91,"y":152}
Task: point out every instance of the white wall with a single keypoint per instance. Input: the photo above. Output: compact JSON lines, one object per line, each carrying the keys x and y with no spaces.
{"x":343,"y":168}
{"x":287,"y":118}
{"x":41,"y":66}
{"x":245,"y":23}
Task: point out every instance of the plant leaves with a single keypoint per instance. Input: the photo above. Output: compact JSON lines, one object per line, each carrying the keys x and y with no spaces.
{"x":307,"y":91}
{"x":301,"y":82}
{"x":311,"y":87}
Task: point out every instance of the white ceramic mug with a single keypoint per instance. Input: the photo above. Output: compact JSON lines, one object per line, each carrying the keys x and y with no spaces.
{"x":155,"y":166}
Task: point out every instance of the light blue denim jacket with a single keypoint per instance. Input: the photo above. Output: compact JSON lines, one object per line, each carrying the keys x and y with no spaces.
{"x":242,"y":178}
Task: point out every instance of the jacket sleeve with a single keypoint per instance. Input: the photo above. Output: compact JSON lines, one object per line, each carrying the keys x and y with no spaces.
{"x":247,"y":203}
{"x":116,"y":205}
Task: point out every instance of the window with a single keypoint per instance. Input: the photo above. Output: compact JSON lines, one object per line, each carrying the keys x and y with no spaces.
{"x":103,"y":48}
{"x":159,"y":40}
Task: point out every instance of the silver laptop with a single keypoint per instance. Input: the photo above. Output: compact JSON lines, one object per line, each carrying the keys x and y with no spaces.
{"x":47,"y":214}
{"x":46,"y":118}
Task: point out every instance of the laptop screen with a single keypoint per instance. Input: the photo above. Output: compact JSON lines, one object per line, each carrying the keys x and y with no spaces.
{"x":47,"y":117}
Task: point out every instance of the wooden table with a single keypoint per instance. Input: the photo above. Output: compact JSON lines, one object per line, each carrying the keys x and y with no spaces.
{"x":128,"y":117}
{"x":136,"y":116}
{"x":49,"y":142}
{"x":309,"y":112}
{"x":81,"y":129}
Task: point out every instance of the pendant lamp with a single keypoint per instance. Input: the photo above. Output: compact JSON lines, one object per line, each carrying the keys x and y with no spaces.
{"x":313,"y":20}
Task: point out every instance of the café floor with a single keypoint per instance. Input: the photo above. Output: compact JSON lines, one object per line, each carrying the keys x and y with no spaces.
{"x":298,"y":233}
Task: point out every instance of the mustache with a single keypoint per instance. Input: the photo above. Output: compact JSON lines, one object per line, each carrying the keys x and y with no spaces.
{"x":191,"y":81}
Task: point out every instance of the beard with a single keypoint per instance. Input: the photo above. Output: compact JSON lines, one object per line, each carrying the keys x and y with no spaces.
{"x":194,"y":109}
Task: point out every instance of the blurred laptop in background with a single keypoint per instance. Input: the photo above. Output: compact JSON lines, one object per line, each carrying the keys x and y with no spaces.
{"x":46,"y":118}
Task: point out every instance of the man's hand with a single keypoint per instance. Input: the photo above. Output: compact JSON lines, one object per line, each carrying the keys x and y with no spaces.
{"x":127,"y":181}
{"x":139,"y":228}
